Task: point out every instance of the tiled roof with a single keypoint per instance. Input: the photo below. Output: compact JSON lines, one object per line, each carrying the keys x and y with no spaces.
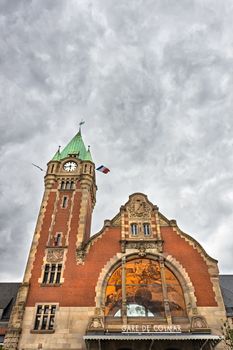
{"x":8,"y":292}
{"x":226,"y":283}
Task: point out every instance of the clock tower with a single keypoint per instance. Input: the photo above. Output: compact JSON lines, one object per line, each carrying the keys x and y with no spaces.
{"x":62,"y":231}
{"x":71,"y":176}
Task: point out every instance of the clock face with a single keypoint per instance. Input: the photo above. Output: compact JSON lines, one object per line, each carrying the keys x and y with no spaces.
{"x":70,"y":166}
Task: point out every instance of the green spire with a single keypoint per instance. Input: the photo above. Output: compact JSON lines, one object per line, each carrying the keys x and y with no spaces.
{"x":57,"y":155}
{"x":75,"y":146}
{"x":88,"y":155}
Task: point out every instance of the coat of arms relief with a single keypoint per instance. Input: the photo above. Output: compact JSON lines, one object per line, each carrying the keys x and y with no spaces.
{"x":139,"y":208}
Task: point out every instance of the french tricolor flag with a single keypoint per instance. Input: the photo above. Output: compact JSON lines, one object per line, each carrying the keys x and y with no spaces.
{"x":103,"y":169}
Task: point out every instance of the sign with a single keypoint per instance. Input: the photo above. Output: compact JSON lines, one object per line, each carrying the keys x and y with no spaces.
{"x":150,"y":328}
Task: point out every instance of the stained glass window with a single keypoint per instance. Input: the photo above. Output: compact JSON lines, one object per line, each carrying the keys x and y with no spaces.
{"x":143,"y":290}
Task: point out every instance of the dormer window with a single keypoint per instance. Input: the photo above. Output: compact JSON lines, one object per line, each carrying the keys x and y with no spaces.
{"x":73,"y":155}
{"x":134,"y":229}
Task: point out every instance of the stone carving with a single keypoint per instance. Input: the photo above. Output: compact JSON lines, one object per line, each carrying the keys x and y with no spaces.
{"x":96,"y":323}
{"x":139,"y":208}
{"x":198,"y":322}
{"x":142,"y":247}
{"x":142,"y":250}
{"x":55,"y":255}
{"x":116,"y":221}
{"x":80,"y":255}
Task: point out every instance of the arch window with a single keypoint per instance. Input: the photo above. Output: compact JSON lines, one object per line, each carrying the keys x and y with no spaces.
{"x":145,"y":284}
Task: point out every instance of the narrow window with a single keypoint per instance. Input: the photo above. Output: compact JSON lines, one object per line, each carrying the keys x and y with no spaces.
{"x":52,"y":273}
{"x":64,"y":202}
{"x":90,"y":170}
{"x":85,"y":168}
{"x":58,"y":239}
{"x":63,"y":185}
{"x":38,"y":317}
{"x":72,"y":185}
{"x":146,"y":229}
{"x":134,"y":229}
{"x":58,"y":277}
{"x":67,"y":185}
{"x":46,"y":273}
{"x":52,"y":168}
{"x":45,"y":315}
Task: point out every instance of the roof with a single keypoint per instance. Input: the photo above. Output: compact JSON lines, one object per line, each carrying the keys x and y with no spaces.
{"x":75,"y":147}
{"x":88,"y":155}
{"x":226,"y":284}
{"x":8,"y":292}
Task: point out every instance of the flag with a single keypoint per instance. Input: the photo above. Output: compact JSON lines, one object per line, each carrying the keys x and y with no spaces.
{"x":103,"y":169}
{"x":38,"y":167}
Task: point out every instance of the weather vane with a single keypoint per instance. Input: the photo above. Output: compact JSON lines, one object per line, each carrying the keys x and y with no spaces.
{"x":80,"y":124}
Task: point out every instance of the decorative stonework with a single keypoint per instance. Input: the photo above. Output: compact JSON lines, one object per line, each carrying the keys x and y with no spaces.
{"x":15,"y":324}
{"x":142,"y":246}
{"x":81,"y":254}
{"x":199,"y":322}
{"x":138,"y":207}
{"x":116,"y":221}
{"x":55,"y":255}
{"x":96,"y":324}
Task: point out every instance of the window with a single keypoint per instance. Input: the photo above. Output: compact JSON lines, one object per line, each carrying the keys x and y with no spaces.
{"x":52,"y":274}
{"x":134,"y":229}
{"x":67,"y":185}
{"x":58,"y":239}
{"x":64,"y":202}
{"x":45,"y":315}
{"x":146,"y":229}
{"x":144,"y":290}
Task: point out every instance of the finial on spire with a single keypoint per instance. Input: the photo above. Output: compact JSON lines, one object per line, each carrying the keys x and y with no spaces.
{"x":59,"y":149}
{"x":80,"y":125}
{"x":89,"y":147}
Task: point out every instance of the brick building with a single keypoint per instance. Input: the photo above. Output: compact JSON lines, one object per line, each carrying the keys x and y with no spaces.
{"x":140,"y":283}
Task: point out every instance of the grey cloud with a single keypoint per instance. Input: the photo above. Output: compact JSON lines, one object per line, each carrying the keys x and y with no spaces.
{"x":152,"y":79}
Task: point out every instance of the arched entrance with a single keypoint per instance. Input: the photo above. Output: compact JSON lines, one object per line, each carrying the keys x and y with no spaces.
{"x":145,"y":284}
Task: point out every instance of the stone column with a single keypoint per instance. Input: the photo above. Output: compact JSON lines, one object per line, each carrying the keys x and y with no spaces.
{"x":165,"y":295}
{"x":124,"y":300}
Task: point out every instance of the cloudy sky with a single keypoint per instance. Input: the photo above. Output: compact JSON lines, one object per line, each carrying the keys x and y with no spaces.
{"x":153,"y":79}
